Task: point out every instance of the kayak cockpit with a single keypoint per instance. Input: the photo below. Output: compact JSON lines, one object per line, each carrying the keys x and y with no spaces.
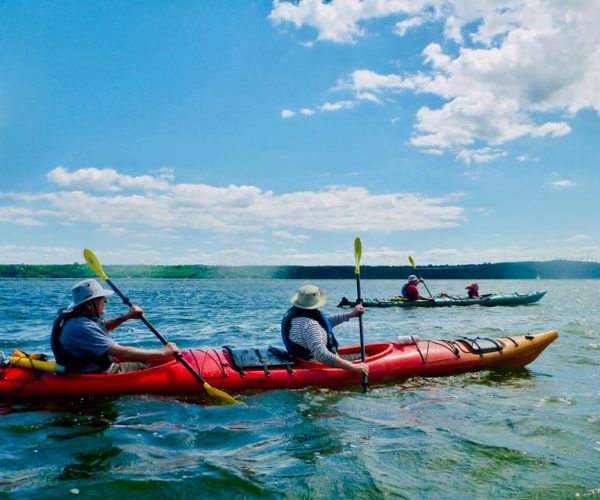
{"x":268,"y":358}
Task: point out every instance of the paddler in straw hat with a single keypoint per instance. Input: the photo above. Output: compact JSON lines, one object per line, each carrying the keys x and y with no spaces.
{"x":308,"y":333}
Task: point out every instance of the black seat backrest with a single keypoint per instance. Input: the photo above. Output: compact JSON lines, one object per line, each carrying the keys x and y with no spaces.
{"x":264,"y":357}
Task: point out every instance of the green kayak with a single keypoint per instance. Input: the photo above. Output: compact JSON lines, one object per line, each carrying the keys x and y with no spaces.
{"x":495,"y":299}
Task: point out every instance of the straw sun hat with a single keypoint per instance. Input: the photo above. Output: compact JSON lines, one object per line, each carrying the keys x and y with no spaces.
{"x":309,"y":297}
{"x":87,"y":290}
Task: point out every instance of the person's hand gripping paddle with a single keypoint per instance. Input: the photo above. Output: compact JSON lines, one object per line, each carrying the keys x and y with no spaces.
{"x":95,"y":265}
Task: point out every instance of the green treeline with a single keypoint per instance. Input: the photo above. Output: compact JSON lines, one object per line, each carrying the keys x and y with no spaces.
{"x":556,"y":269}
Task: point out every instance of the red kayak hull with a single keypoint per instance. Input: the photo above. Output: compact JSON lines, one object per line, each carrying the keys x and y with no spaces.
{"x":388,"y":362}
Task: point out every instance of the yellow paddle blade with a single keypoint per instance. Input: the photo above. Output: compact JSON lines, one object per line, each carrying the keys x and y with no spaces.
{"x":94,"y":263}
{"x":217,"y":393}
{"x":357,"y":254}
{"x":412,"y":261}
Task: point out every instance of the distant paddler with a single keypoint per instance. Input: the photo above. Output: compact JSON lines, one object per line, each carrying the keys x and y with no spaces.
{"x":410,"y":290}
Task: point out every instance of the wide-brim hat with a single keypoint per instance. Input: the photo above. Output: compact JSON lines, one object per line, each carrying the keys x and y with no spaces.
{"x":309,"y":297}
{"x":87,"y":290}
{"x":413,"y":279}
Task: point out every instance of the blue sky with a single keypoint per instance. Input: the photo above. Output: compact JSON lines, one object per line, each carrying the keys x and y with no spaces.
{"x":241,"y":132}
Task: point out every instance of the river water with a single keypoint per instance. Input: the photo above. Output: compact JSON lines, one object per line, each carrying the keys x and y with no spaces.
{"x":530,"y":434}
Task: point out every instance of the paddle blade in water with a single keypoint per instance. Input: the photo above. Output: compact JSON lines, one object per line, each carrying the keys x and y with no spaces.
{"x":217,"y":393}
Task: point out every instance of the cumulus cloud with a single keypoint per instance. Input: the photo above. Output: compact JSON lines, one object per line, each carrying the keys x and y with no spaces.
{"x":327,"y":107}
{"x":483,"y":155}
{"x":336,"y":106}
{"x":340,"y":21}
{"x":563,"y":184}
{"x":234,"y":208}
{"x":519,"y":61}
{"x":286,"y":235}
{"x":38,"y":254}
{"x":21,"y":216}
{"x":106,"y":179}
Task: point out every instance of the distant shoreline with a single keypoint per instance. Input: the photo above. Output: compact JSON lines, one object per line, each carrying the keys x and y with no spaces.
{"x":554,"y":269}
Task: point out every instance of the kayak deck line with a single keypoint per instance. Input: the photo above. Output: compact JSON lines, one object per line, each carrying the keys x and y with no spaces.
{"x":388,"y":362}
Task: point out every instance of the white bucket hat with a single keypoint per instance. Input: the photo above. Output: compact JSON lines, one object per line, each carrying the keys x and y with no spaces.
{"x":87,"y":290}
{"x":309,"y":297}
{"x":413,"y":279}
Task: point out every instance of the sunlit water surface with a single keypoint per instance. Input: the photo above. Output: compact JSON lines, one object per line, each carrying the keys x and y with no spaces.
{"x":530,"y":434}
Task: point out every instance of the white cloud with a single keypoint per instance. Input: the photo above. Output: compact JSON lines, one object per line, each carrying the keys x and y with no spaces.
{"x":340,"y":21}
{"x":236,"y":256}
{"x":106,"y":179}
{"x":21,"y":216}
{"x":577,"y":237}
{"x":238,"y":209}
{"x":336,"y":106}
{"x":327,"y":107}
{"x":286,"y":235}
{"x":402,"y":27}
{"x":483,"y":155}
{"x":563,"y":184}
{"x":366,"y":80}
{"x":509,"y":253}
{"x":33,"y":254}
{"x":519,"y":62}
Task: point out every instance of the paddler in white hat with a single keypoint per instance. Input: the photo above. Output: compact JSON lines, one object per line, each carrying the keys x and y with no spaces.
{"x":80,"y":339}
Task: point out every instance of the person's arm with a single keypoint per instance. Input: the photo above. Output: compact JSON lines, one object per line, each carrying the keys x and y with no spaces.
{"x":351,"y":367}
{"x":336,"y":319}
{"x":315,"y":339}
{"x":136,"y":354}
{"x":135,"y":312}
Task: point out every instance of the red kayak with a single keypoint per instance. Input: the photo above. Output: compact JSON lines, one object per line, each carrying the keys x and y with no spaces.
{"x":271,"y":368}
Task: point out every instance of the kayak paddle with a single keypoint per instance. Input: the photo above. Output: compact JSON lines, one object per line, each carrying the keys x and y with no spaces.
{"x":94,"y":263}
{"x":412,"y":263}
{"x":363,"y":357}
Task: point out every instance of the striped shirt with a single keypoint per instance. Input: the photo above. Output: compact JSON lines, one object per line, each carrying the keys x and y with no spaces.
{"x":310,"y":334}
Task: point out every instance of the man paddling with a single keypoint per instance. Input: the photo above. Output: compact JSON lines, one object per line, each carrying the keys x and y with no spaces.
{"x":472,"y":291}
{"x":308,"y":333}
{"x":80,"y":339}
{"x":410,"y":290}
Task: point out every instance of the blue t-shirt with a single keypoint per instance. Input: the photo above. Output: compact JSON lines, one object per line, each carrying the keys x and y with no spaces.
{"x":81,"y":336}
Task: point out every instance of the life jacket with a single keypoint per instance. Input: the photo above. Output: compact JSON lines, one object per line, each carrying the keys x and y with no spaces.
{"x":405,"y":293}
{"x":70,"y":362}
{"x":298,"y":350}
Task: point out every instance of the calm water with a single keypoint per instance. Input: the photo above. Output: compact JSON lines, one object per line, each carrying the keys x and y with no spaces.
{"x":531,"y":434}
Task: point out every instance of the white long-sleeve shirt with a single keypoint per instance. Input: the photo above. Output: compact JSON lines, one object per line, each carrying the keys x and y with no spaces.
{"x":310,"y":334}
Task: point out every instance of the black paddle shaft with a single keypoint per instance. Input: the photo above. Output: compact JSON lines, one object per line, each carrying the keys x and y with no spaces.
{"x":422,"y":281}
{"x":178,"y":356}
{"x":363,"y":356}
